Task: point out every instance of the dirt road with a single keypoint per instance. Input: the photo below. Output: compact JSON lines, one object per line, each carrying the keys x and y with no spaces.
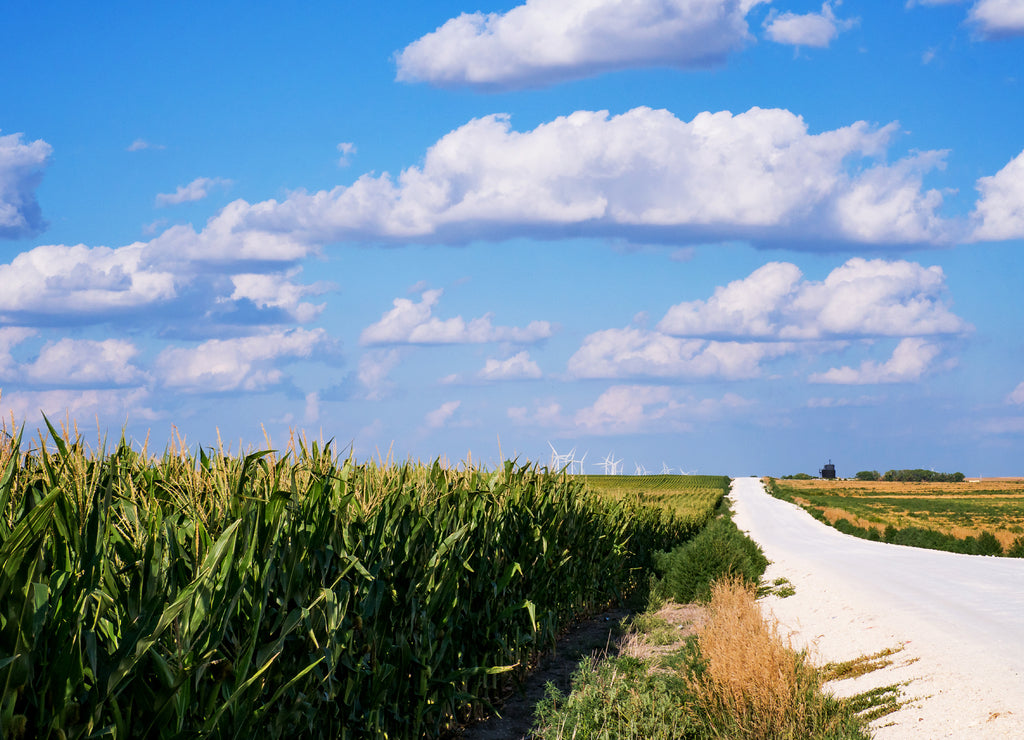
{"x":959,"y":618}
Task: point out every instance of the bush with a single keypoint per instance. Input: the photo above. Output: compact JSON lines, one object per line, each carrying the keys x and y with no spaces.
{"x":987,"y":544}
{"x":1016,"y":548}
{"x":919,"y":475}
{"x":720,"y":550}
{"x":868,"y":475}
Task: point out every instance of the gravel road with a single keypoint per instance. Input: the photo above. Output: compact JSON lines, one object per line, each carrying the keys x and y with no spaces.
{"x":959,"y":618}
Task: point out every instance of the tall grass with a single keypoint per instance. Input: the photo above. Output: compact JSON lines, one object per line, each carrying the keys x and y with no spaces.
{"x":753,"y":685}
{"x":206,"y":594}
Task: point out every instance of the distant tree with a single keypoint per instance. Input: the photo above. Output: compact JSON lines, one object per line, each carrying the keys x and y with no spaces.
{"x":798,"y":476}
{"x":919,"y":474}
{"x":868,"y":475}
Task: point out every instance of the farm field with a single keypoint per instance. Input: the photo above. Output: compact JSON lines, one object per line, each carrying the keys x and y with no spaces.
{"x":964,"y":511}
{"x":690,"y":497}
{"x":296,"y":593}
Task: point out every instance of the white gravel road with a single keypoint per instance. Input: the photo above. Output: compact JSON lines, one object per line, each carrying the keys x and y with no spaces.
{"x":960,"y":618}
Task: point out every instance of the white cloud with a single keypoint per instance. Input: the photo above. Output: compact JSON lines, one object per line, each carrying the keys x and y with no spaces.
{"x":635,"y":409}
{"x":347,"y":150}
{"x":141,"y":144}
{"x":997,"y":18}
{"x":243,"y":363}
{"x":1017,"y":395}
{"x":626,"y":353}
{"x":413,"y":323}
{"x":276,"y":290}
{"x":75,"y":362}
{"x":374,"y":368}
{"x":517,"y":367}
{"x":860,"y":298}
{"x":311,"y":415}
{"x":112,"y":406}
{"x":195,"y":190}
{"x":440,"y":416}
{"x":993,"y":18}
{"x":10,"y":337}
{"x":546,"y":41}
{"x":834,"y":403}
{"x":810,"y":29}
{"x":999,"y":213}
{"x":57,"y":279}
{"x":21,"y":167}
{"x":644,"y":174}
{"x":909,"y":362}
{"x":544,"y":415}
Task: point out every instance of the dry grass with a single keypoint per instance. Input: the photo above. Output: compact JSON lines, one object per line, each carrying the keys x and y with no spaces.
{"x":752,"y":674}
{"x":965,"y":509}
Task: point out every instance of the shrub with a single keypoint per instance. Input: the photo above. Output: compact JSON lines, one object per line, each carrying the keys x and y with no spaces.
{"x":868,"y":475}
{"x":1016,"y":548}
{"x":720,"y":550}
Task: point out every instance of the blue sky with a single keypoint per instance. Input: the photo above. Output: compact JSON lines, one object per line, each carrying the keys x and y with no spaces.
{"x":723,"y":236}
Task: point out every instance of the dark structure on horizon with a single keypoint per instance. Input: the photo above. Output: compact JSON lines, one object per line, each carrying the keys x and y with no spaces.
{"x":829,"y":471}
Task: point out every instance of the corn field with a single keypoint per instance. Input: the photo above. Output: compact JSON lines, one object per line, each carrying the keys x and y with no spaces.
{"x":302,"y":595}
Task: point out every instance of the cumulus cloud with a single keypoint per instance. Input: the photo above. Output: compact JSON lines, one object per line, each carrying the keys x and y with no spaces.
{"x":243,"y":363}
{"x":998,"y":18}
{"x":108,"y":405}
{"x":992,"y":18}
{"x":999,"y":213}
{"x":410,"y":322}
{"x":85,"y":362}
{"x":195,"y":190}
{"x":21,"y":170}
{"x":644,"y":175}
{"x":517,"y":367}
{"x":810,"y":29}
{"x":1017,"y":395}
{"x":626,"y":353}
{"x":57,"y":279}
{"x":860,"y":298}
{"x":909,"y":362}
{"x":637,"y":409}
{"x":440,"y":416}
{"x":546,"y":41}
{"x":277,"y":290}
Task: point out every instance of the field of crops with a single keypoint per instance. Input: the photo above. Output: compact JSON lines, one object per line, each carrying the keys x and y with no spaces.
{"x":196,"y":593}
{"x":966,"y":511}
{"x":690,"y":497}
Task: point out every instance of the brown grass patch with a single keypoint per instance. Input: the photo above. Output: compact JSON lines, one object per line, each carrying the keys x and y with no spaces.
{"x":752,"y":674}
{"x":833,"y":515}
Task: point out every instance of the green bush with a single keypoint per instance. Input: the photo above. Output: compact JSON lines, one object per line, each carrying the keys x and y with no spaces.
{"x":719,"y":550}
{"x":868,"y":475}
{"x":1016,"y":548}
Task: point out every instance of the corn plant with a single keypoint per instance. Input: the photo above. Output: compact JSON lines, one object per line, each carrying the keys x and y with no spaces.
{"x":209,"y":594}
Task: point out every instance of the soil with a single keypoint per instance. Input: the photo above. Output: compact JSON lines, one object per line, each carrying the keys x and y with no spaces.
{"x":599,"y":635}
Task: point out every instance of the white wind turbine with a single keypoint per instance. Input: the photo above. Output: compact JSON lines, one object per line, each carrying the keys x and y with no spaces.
{"x":665,"y":469}
{"x":560,"y":461}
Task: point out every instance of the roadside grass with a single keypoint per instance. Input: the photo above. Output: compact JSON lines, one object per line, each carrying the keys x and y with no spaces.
{"x":955,"y":517}
{"x":712,"y":668}
{"x":724,"y":673}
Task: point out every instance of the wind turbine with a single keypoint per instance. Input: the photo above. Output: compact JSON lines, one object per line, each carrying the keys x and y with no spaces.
{"x":579,"y":462}
{"x":640,"y":469}
{"x":665,"y":469}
